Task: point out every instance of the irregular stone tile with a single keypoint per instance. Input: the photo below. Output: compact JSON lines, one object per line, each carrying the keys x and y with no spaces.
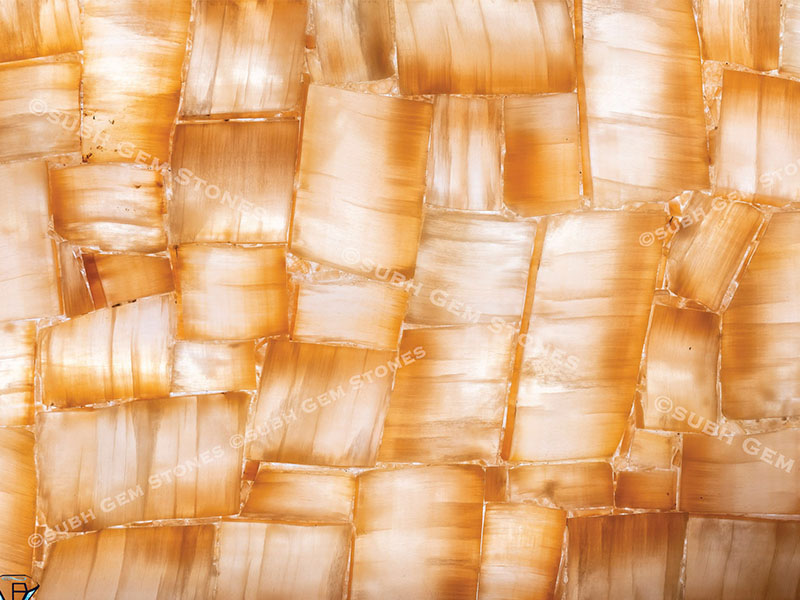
{"x":760,"y":373}
{"x":484,"y":47}
{"x":707,"y":253}
{"x":464,"y":160}
{"x":644,"y":101}
{"x":125,"y":277}
{"x":133,"y":56}
{"x":597,"y":318}
{"x":111,"y":354}
{"x":418,"y":533}
{"x":321,"y":405}
{"x":74,"y":281}
{"x":247,"y":57}
{"x":231,"y":292}
{"x":117,"y":208}
{"x":651,"y":450}
{"x":361,"y":180}
{"x":174,"y":458}
{"x":234,"y":181}
{"x":449,"y":405}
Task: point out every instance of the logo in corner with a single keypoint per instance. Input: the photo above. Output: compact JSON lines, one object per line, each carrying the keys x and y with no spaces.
{"x":17,"y":587}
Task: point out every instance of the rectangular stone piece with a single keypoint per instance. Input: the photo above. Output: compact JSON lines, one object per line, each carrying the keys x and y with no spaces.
{"x":570,"y":486}
{"x":743,"y":32}
{"x":17,"y":356}
{"x":740,"y":559}
{"x":520,"y":552}
{"x":231,"y":292}
{"x":272,"y":561}
{"x":133,"y":57}
{"x":448,"y":406}
{"x":321,"y":405}
{"x":756,"y":153}
{"x":418,"y":533}
{"x":115,"y":353}
{"x":542,"y":168}
{"x":302,"y":496}
{"x":141,"y":562}
{"x":116,"y":208}
{"x":464,"y":159}
{"x":596,"y":319}
{"x":644,"y":101}
{"x":361,"y":180}
{"x":17,"y":500}
{"x":233,"y":181}
{"x":682,"y":354}
{"x":741,"y":474}
{"x":625,"y":556}
{"x":247,"y":57}
{"x":28,"y":268}
{"x":30,"y":28}
{"x":41,"y":107}
{"x":470,"y":268}
{"x":760,"y":372}
{"x":484,"y":47}
{"x":174,"y":458}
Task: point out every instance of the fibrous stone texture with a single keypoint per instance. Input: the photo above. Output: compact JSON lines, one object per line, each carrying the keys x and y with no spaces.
{"x":761,"y":329}
{"x":321,"y":405}
{"x":644,"y":100}
{"x":247,"y":57}
{"x":599,"y":333}
{"x":400,"y":299}
{"x":234,"y":182}
{"x":756,"y":152}
{"x":28,"y":267}
{"x":744,"y":32}
{"x":141,"y":562}
{"x":484,"y":47}
{"x":172,"y":458}
{"x":418,"y":533}
{"x":133,"y":52}
{"x":361,"y":179}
